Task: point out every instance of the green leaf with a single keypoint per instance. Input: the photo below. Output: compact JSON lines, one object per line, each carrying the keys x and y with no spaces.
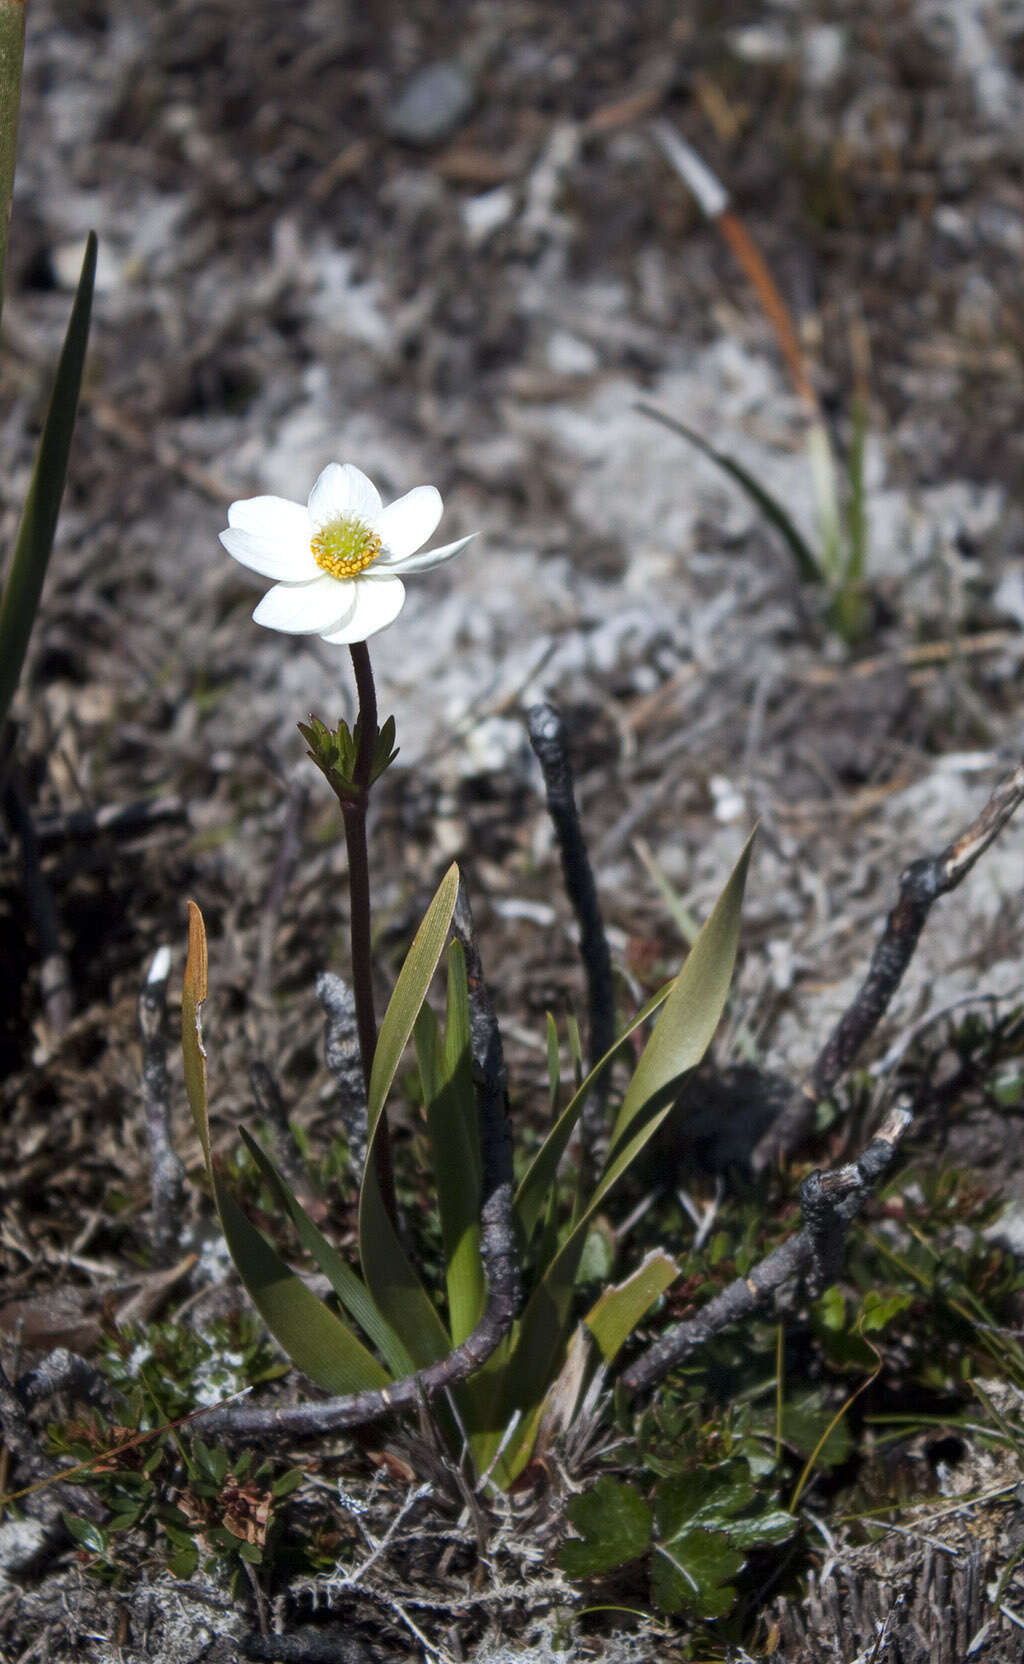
{"x":395,"y":1287}
{"x":24,"y":586}
{"x":554,"y":1065}
{"x":535,"y":1189}
{"x":807,"y":562}
{"x":287,"y":1483}
{"x":87,"y":1533}
{"x":695,"y":1572}
{"x":317,"y":1342}
{"x":681,"y":1036}
{"x":700,"y":1541}
{"x":690,"y":1015}
{"x":612,"y":1319}
{"x":703,"y":1498}
{"x":804,"y":1420}
{"x":450,"y":1098}
{"x":347,"y":1285}
{"x":614,"y":1523}
{"x":878,"y":1310}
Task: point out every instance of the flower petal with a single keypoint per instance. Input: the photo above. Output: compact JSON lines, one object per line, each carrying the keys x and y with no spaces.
{"x":340,"y":490}
{"x":377,"y":606}
{"x":273,"y":518}
{"x":419,"y":563}
{"x":406,"y":524}
{"x":290,"y":561}
{"x":305,"y":609}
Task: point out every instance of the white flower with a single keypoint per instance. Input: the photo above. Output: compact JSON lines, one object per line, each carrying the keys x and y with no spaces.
{"x":337,"y":563}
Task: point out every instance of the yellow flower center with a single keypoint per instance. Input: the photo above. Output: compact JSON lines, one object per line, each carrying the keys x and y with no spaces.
{"x":345,"y":547}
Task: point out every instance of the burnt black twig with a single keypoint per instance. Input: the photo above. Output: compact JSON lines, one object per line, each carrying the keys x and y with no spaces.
{"x":167,"y":1175}
{"x":921,"y":885}
{"x":64,"y":1371}
{"x":830,"y":1201}
{"x":344,"y":1060}
{"x":79,"y":826}
{"x":548,"y":738}
{"x":498,"y":1251}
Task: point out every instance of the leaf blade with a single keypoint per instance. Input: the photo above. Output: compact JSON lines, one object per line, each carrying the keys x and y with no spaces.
{"x":808,"y":564}
{"x":33,"y":545}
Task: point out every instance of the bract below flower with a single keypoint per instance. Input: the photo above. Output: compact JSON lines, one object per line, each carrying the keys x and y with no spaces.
{"x":338,"y":561}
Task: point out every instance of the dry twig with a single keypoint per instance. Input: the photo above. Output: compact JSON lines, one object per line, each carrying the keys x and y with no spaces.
{"x":548,"y":738}
{"x":921,"y":885}
{"x":830,"y":1201}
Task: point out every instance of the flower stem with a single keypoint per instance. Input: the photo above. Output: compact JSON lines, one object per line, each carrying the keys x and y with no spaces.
{"x":353,"y":809}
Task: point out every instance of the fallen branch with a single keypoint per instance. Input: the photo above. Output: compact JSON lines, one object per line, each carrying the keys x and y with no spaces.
{"x":921,"y":885}
{"x":167,"y":1175}
{"x":550,"y":745}
{"x":79,"y":826}
{"x":830,"y":1201}
{"x":498,"y":1252}
{"x":64,"y":1371}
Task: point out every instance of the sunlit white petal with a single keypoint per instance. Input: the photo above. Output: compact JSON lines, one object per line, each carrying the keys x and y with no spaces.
{"x":377,"y":606}
{"x":272,"y":558}
{"x":305,"y":609}
{"x":343,"y":490}
{"x":405,"y":525}
{"x":274,"y":518}
{"x":419,"y":563}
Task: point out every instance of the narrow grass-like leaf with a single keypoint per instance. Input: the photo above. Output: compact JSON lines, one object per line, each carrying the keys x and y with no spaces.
{"x":808,"y":563}
{"x":447,"y":1078}
{"x":395,"y":1286}
{"x":683,"y":919}
{"x":27,"y":572}
{"x":346,"y":1283}
{"x":534,"y":1192}
{"x":317,"y":1342}
{"x":554,"y":1065}
{"x":612,"y":1318}
{"x":856,"y":508}
{"x":695,"y":1003}
{"x":681,"y":1036}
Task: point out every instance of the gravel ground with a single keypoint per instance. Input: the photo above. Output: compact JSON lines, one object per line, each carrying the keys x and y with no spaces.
{"x":307,"y":254}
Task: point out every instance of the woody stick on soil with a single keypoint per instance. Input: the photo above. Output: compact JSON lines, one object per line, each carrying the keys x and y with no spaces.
{"x":830,"y":1201}
{"x":548,"y":738}
{"x":921,"y":885}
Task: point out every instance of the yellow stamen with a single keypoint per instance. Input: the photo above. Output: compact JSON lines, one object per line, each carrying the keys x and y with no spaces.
{"x":345,"y":547}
